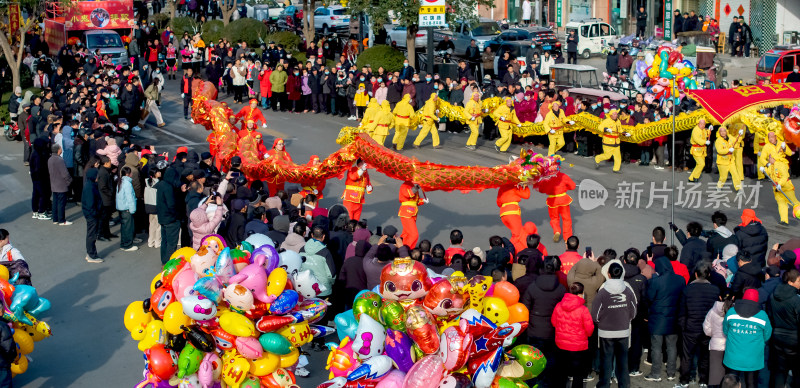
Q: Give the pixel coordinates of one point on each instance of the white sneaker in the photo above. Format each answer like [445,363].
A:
[136,129]
[91,260]
[35,215]
[43,216]
[301,372]
[635,373]
[137,240]
[65,223]
[132,248]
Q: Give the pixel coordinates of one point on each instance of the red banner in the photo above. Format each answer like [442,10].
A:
[13,19]
[726,104]
[96,15]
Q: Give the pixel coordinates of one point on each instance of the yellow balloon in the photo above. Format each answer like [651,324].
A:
[457,274]
[672,70]
[653,72]
[686,71]
[495,309]
[276,282]
[234,368]
[4,272]
[157,278]
[186,253]
[155,333]
[20,366]
[290,359]
[298,334]
[264,365]
[24,341]
[477,288]
[39,331]
[237,324]
[447,324]
[136,319]
[174,318]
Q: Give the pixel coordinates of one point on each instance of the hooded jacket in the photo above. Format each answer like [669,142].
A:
[497,257]
[712,326]
[91,203]
[541,298]
[201,225]
[280,229]
[132,161]
[533,262]
[125,197]
[320,264]
[753,238]
[587,272]
[637,281]
[573,324]
[696,300]
[748,276]
[747,329]
[718,239]
[614,307]
[663,293]
[352,273]
[783,309]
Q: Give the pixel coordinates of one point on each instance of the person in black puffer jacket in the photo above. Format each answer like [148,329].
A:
[541,299]
[533,263]
[496,258]
[783,309]
[663,293]
[693,246]
[696,300]
[753,237]
[748,275]
[638,283]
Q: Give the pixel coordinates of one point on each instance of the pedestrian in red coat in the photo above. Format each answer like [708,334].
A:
[574,326]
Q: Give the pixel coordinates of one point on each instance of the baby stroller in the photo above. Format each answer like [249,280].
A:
[162,62]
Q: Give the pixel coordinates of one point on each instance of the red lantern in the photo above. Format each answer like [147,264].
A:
[126,39]
[73,41]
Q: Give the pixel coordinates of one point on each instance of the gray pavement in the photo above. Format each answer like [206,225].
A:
[90,347]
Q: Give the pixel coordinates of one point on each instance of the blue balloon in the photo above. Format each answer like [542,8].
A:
[209,287]
[224,268]
[346,324]
[688,63]
[285,302]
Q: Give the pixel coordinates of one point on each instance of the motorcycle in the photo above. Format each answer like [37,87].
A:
[11,131]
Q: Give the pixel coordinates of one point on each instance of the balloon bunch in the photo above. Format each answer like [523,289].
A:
[229,317]
[667,64]
[421,330]
[22,306]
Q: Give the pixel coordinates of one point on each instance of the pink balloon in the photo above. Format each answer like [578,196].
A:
[249,347]
[426,373]
[185,278]
[393,380]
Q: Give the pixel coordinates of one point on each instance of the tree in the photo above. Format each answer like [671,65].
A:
[14,59]
[309,6]
[226,8]
[172,5]
[406,12]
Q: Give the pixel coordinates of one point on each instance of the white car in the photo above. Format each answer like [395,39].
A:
[332,19]
[398,34]
[593,35]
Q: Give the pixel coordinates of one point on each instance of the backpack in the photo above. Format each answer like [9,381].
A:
[150,196]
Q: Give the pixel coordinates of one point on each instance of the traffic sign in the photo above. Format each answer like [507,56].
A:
[431,13]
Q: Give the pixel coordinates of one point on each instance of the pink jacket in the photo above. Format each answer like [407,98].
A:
[201,225]
[111,150]
[573,324]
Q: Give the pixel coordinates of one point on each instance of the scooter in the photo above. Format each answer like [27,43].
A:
[11,131]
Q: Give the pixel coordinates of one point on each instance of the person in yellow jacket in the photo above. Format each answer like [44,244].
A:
[738,150]
[700,141]
[380,125]
[725,146]
[361,100]
[505,117]
[403,112]
[554,125]
[473,113]
[369,114]
[429,121]
[758,143]
[776,149]
[612,130]
[778,173]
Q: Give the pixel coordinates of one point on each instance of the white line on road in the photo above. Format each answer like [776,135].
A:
[181,138]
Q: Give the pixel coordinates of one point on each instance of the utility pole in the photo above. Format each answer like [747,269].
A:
[430,49]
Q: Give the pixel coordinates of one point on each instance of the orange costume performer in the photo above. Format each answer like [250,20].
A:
[508,198]
[558,202]
[356,185]
[278,154]
[251,112]
[410,200]
[317,187]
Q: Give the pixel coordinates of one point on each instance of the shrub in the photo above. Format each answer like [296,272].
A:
[249,30]
[184,24]
[381,55]
[161,20]
[289,40]
[212,31]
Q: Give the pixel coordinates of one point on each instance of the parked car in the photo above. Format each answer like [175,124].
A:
[264,9]
[574,76]
[462,32]
[286,13]
[332,19]
[777,64]
[593,36]
[397,34]
[543,38]
[517,50]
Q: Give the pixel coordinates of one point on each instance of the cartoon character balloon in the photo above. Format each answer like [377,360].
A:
[404,279]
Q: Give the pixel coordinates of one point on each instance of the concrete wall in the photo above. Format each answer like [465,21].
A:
[788,18]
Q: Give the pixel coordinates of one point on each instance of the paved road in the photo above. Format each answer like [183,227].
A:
[90,346]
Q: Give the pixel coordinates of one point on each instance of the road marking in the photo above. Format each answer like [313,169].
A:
[13,184]
[181,138]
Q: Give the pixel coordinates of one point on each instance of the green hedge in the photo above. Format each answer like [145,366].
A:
[161,20]
[212,31]
[184,24]
[249,30]
[381,55]
[289,40]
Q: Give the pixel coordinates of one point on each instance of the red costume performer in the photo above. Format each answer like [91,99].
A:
[508,198]
[251,112]
[278,154]
[356,185]
[558,202]
[317,187]
[247,127]
[410,200]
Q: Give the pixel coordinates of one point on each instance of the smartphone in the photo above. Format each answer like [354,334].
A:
[235,174]
[379,231]
[588,251]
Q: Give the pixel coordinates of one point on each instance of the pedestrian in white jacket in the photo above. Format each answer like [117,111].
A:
[712,326]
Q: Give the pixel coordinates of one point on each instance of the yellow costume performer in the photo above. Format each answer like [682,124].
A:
[612,130]
[554,125]
[429,121]
[369,115]
[381,123]
[402,120]
[725,146]
[738,150]
[700,141]
[774,148]
[473,111]
[779,174]
[758,143]
[505,117]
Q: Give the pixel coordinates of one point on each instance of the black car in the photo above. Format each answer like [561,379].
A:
[544,38]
